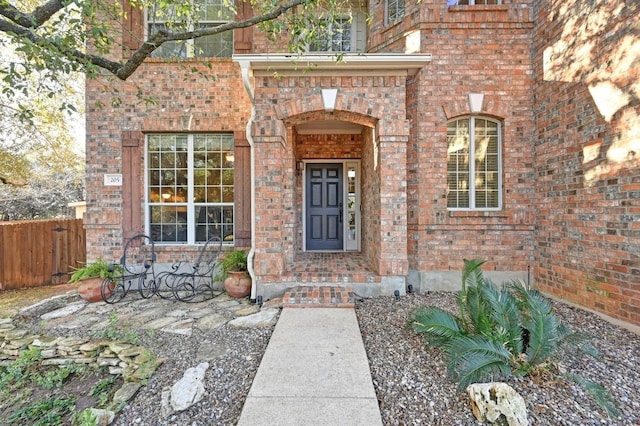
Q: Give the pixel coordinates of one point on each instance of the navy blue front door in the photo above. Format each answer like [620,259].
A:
[324,209]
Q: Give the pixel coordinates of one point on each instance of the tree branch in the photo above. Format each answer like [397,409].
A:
[163,36]
[23,24]
[39,16]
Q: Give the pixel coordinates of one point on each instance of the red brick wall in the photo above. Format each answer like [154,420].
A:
[587,156]
[370,188]
[476,49]
[291,100]
[214,101]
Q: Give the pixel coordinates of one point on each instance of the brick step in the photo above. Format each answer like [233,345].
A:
[318,297]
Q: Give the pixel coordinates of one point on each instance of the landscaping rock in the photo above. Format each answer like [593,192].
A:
[44,306]
[103,417]
[497,403]
[264,318]
[180,327]
[64,311]
[126,392]
[188,390]
[211,322]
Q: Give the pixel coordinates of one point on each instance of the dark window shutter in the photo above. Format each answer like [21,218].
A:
[133,28]
[132,183]
[242,189]
[242,36]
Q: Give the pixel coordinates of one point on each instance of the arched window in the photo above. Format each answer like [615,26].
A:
[474,164]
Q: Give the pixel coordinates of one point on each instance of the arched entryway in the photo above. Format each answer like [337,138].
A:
[309,129]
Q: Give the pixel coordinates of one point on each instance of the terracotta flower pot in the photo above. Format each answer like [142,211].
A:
[237,284]
[89,289]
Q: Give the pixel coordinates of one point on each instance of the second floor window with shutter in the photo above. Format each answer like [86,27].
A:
[208,13]
[474,164]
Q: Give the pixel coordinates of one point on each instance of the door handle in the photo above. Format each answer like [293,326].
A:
[340,212]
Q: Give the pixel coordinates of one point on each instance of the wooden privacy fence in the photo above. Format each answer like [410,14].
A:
[40,252]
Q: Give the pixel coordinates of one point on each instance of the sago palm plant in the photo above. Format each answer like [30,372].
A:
[499,332]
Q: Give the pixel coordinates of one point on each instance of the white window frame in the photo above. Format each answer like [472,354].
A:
[357,20]
[190,203]
[394,11]
[472,171]
[473,3]
[352,41]
[190,45]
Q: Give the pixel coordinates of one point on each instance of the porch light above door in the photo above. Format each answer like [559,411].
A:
[329,99]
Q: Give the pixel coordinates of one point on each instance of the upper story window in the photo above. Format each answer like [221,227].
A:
[474,164]
[337,37]
[472,2]
[190,187]
[347,33]
[394,11]
[210,13]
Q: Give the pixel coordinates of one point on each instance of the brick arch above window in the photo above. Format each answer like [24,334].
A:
[490,107]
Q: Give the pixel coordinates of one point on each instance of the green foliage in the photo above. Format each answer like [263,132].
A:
[99,268]
[148,365]
[44,413]
[598,392]
[18,372]
[26,370]
[234,261]
[45,194]
[500,332]
[103,389]
[84,418]
[56,377]
[113,332]
[83,37]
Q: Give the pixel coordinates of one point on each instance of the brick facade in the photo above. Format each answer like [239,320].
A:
[213,101]
[588,155]
[571,180]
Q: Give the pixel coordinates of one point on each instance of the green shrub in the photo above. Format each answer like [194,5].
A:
[99,268]
[499,332]
[234,261]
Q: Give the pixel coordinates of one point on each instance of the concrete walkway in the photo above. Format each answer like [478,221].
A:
[314,372]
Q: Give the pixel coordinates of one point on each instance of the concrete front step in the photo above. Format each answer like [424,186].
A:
[319,297]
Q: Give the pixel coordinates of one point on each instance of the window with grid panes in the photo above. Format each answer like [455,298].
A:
[474,170]
[394,11]
[472,2]
[336,37]
[189,187]
[210,13]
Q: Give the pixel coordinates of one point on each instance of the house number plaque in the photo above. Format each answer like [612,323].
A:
[113,180]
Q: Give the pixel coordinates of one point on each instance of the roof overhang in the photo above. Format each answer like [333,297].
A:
[323,64]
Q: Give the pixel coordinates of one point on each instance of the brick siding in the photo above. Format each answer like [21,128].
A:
[571,162]
[587,160]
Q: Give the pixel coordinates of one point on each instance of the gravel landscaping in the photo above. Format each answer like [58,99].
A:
[409,377]
[411,384]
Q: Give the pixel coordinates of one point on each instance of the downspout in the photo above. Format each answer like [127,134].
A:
[245,67]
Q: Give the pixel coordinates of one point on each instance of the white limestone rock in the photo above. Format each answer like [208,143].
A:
[190,388]
[103,417]
[497,402]
[264,318]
